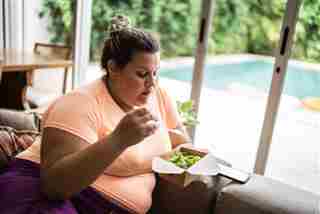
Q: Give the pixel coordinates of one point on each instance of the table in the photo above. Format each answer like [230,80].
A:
[16,68]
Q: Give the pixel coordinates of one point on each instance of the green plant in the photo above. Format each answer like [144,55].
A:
[187,113]
[59,14]
[249,26]
[173,20]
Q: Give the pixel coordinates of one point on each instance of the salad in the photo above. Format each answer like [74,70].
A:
[184,159]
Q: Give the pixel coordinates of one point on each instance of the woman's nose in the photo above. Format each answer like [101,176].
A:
[150,80]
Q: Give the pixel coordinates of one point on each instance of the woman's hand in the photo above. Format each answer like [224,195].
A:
[134,127]
[177,137]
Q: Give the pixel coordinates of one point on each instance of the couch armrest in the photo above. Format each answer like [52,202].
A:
[18,120]
[262,195]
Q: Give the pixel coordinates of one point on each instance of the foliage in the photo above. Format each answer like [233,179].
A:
[308,30]
[60,13]
[250,26]
[187,113]
[171,19]
[254,27]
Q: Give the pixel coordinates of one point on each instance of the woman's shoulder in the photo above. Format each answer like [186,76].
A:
[76,112]
[74,99]
[83,99]
[88,93]
[69,105]
[91,89]
[162,93]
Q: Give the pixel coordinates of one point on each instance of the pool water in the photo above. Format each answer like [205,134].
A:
[300,82]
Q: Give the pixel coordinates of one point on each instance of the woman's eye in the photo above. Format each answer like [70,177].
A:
[155,73]
[142,74]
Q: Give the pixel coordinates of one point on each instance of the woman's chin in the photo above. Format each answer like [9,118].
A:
[141,103]
[143,99]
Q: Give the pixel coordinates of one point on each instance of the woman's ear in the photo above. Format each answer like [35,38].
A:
[112,68]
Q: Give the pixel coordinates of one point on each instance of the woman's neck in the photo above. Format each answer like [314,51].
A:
[125,107]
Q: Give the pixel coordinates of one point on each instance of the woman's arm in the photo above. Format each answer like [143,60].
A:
[179,136]
[69,164]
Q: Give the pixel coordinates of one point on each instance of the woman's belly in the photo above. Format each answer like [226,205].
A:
[133,193]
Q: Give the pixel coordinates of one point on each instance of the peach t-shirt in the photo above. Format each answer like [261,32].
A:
[90,113]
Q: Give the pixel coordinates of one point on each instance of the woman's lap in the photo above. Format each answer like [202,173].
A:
[20,193]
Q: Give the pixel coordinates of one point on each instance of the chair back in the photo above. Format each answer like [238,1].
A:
[35,98]
[53,50]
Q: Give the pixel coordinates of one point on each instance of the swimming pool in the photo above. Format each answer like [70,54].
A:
[300,82]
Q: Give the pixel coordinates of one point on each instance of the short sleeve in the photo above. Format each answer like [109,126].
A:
[172,117]
[75,113]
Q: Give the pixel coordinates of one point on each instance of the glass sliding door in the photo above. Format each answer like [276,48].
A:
[237,78]
[180,43]
[294,152]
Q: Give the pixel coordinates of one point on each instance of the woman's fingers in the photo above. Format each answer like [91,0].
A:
[149,123]
[143,115]
[147,117]
[137,125]
[149,128]
[139,111]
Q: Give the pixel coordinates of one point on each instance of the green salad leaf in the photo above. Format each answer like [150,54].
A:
[184,159]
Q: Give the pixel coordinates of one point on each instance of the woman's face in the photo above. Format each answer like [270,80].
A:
[133,84]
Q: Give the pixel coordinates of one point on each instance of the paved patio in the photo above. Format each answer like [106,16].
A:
[230,125]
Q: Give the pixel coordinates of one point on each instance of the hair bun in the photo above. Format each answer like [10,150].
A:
[119,23]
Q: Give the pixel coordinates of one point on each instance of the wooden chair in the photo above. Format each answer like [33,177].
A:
[36,98]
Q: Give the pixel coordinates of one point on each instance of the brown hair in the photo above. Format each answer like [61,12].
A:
[125,41]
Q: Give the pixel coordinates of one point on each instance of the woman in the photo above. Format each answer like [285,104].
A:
[98,141]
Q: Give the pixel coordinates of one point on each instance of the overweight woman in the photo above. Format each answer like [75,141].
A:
[98,141]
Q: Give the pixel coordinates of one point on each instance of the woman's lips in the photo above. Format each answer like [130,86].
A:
[146,93]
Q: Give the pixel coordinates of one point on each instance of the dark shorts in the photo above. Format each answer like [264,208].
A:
[20,194]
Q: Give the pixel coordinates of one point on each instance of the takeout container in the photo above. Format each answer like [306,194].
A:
[206,166]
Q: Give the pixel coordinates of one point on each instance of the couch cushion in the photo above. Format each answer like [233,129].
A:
[18,120]
[13,142]
[262,195]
